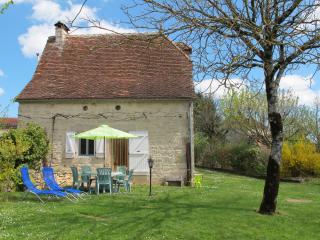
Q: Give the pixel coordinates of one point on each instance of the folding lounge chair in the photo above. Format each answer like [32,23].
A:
[50,181]
[31,188]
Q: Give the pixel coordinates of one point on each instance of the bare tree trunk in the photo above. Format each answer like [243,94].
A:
[317,125]
[271,188]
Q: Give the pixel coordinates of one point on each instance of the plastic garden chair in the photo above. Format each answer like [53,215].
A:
[197,181]
[128,181]
[123,170]
[51,182]
[104,179]
[75,176]
[86,169]
[85,175]
[31,188]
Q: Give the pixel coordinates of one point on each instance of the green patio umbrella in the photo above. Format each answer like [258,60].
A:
[104,132]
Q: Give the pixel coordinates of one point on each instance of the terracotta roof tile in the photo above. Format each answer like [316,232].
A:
[9,122]
[109,66]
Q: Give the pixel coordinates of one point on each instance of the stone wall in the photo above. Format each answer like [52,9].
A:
[167,123]
[62,175]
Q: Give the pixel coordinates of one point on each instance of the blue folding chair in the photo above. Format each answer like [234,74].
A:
[31,188]
[48,176]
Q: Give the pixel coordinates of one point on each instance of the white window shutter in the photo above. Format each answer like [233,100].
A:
[71,146]
[99,148]
[76,145]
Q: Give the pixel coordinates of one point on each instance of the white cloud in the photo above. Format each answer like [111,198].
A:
[301,87]
[1,92]
[34,40]
[50,11]
[45,13]
[1,73]
[215,87]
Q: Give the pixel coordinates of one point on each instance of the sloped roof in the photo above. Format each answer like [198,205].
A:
[141,66]
[9,122]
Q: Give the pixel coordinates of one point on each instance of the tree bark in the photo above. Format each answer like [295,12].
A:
[271,188]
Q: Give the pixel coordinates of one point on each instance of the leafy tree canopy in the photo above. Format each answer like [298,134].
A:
[5,6]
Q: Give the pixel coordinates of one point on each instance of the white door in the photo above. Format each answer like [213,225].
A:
[139,152]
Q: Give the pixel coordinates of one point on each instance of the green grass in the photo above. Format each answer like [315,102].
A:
[225,208]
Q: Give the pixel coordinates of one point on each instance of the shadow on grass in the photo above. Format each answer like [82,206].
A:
[119,214]
[23,197]
[147,216]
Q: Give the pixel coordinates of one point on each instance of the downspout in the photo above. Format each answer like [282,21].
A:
[190,165]
[52,137]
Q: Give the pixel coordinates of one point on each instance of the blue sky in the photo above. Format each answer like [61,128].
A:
[25,28]
[26,25]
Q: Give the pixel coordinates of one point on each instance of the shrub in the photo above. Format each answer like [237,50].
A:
[242,158]
[300,159]
[38,146]
[248,159]
[201,143]
[9,152]
[18,147]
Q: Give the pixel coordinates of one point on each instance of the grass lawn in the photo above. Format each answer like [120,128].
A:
[223,209]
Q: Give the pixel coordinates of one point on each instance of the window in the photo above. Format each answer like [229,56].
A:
[86,147]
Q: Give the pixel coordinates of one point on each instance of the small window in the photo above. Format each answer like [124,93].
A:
[86,147]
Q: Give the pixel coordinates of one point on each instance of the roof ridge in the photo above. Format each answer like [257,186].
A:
[112,34]
[178,48]
[51,38]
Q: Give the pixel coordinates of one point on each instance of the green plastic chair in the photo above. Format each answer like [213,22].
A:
[85,175]
[128,182]
[75,176]
[104,179]
[86,169]
[123,170]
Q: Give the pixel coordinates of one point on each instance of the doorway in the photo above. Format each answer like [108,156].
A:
[119,152]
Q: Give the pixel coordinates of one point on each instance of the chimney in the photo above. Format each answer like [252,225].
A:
[185,48]
[61,32]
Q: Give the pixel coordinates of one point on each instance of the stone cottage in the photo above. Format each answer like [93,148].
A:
[139,83]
